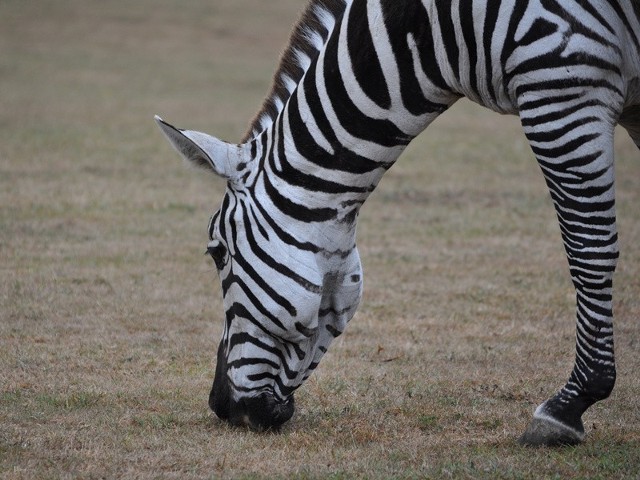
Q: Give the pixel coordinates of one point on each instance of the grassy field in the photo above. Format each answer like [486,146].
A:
[110,313]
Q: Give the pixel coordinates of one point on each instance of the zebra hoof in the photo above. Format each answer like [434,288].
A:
[546,431]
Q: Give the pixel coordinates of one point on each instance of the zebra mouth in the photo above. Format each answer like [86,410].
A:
[260,414]
[265,413]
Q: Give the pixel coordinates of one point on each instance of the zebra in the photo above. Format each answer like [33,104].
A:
[357,82]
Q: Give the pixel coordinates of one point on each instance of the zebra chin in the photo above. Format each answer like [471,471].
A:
[261,413]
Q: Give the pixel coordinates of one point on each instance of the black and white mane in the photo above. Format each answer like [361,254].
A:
[307,39]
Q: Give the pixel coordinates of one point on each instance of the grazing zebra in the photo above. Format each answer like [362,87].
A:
[358,81]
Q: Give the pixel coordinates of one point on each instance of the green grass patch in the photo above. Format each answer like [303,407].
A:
[67,402]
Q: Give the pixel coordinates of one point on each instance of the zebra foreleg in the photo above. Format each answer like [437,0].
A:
[577,163]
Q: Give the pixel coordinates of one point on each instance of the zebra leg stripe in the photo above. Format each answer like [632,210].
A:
[577,162]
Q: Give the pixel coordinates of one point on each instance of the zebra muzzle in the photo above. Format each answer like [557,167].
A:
[260,413]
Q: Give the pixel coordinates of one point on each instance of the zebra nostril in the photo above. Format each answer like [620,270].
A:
[262,413]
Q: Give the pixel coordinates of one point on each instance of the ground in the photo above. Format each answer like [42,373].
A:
[110,313]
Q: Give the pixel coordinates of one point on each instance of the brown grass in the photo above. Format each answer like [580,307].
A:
[110,314]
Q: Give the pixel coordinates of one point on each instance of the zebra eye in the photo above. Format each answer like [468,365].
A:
[218,252]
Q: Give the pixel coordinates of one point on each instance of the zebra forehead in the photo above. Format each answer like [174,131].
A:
[309,36]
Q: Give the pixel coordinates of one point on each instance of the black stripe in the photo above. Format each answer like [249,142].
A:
[258,224]
[354,121]
[540,29]
[564,149]
[467,24]
[260,282]
[365,62]
[577,25]
[269,261]
[445,23]
[565,83]
[295,210]
[241,338]
[567,165]
[298,178]
[623,18]
[247,361]
[559,115]
[429,60]
[239,310]
[555,134]
[285,236]
[556,59]
[395,17]
[490,23]
[342,159]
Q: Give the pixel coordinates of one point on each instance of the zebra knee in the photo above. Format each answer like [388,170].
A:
[592,267]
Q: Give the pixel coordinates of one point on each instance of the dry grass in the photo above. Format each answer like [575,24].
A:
[110,314]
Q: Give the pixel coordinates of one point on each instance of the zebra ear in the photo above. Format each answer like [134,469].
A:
[204,151]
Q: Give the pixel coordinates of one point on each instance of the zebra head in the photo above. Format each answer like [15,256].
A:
[290,283]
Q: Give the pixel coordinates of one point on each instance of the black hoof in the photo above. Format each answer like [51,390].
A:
[546,431]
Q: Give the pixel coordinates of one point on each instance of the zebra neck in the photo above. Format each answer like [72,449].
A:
[338,132]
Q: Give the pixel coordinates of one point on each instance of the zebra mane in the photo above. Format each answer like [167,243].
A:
[307,39]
